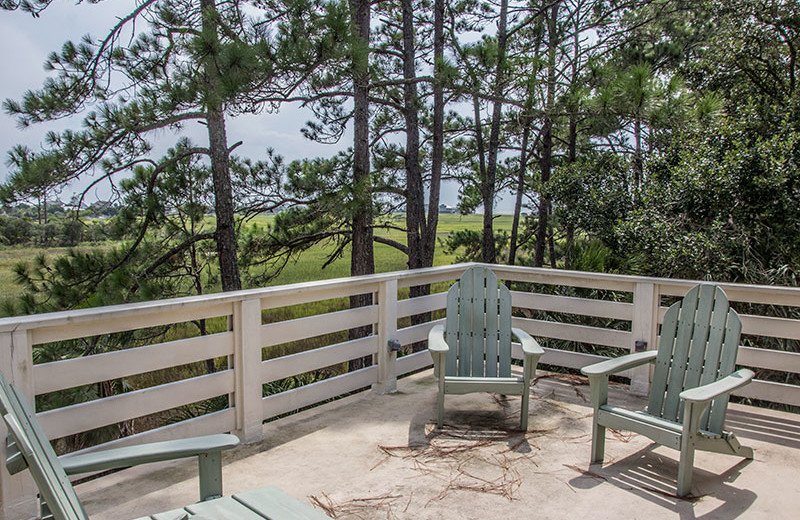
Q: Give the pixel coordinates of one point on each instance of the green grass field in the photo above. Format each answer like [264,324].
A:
[387,258]
[11,256]
[307,267]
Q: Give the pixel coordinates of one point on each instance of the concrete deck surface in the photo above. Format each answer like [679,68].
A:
[378,457]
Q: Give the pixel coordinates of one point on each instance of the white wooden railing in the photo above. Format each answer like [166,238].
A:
[638,310]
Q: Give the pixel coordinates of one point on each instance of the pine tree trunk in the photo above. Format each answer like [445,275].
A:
[362,261]
[481,149]
[552,246]
[416,227]
[223,203]
[437,151]
[546,159]
[361,258]
[225,234]
[638,162]
[572,143]
[523,164]
[488,190]
[415,201]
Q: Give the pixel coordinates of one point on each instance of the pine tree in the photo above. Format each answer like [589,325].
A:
[195,62]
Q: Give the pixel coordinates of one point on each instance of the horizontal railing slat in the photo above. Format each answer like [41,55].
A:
[115,323]
[600,281]
[414,362]
[286,366]
[770,326]
[571,305]
[771,391]
[320,289]
[762,294]
[69,373]
[572,332]
[432,277]
[301,328]
[421,304]
[307,395]
[414,333]
[769,359]
[567,358]
[317,293]
[110,410]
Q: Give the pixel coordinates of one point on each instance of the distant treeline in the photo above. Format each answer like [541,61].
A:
[54,224]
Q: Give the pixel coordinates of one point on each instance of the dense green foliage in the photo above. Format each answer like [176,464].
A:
[722,203]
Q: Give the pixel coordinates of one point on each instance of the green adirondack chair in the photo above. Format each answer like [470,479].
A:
[472,351]
[693,376]
[28,447]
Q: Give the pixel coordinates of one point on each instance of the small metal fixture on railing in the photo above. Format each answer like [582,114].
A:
[640,346]
[394,345]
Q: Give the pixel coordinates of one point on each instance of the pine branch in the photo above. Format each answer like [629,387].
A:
[389,242]
[174,251]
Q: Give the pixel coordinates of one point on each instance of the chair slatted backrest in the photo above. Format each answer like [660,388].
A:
[478,326]
[29,439]
[698,345]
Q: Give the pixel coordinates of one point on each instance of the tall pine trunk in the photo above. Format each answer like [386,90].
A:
[416,227]
[361,259]
[572,145]
[638,161]
[546,159]
[489,188]
[523,166]
[225,234]
[415,201]
[437,152]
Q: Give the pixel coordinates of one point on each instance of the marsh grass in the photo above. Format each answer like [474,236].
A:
[307,267]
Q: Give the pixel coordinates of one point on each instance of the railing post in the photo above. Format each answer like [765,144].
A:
[644,328]
[17,492]
[387,330]
[247,369]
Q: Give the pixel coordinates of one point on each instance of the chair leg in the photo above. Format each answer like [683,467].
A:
[440,412]
[210,475]
[598,441]
[685,468]
[440,409]
[523,420]
[598,387]
[692,413]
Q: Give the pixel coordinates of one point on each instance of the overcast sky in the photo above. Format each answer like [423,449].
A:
[26,41]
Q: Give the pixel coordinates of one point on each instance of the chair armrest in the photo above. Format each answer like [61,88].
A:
[436,341]
[530,347]
[146,453]
[612,366]
[718,388]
